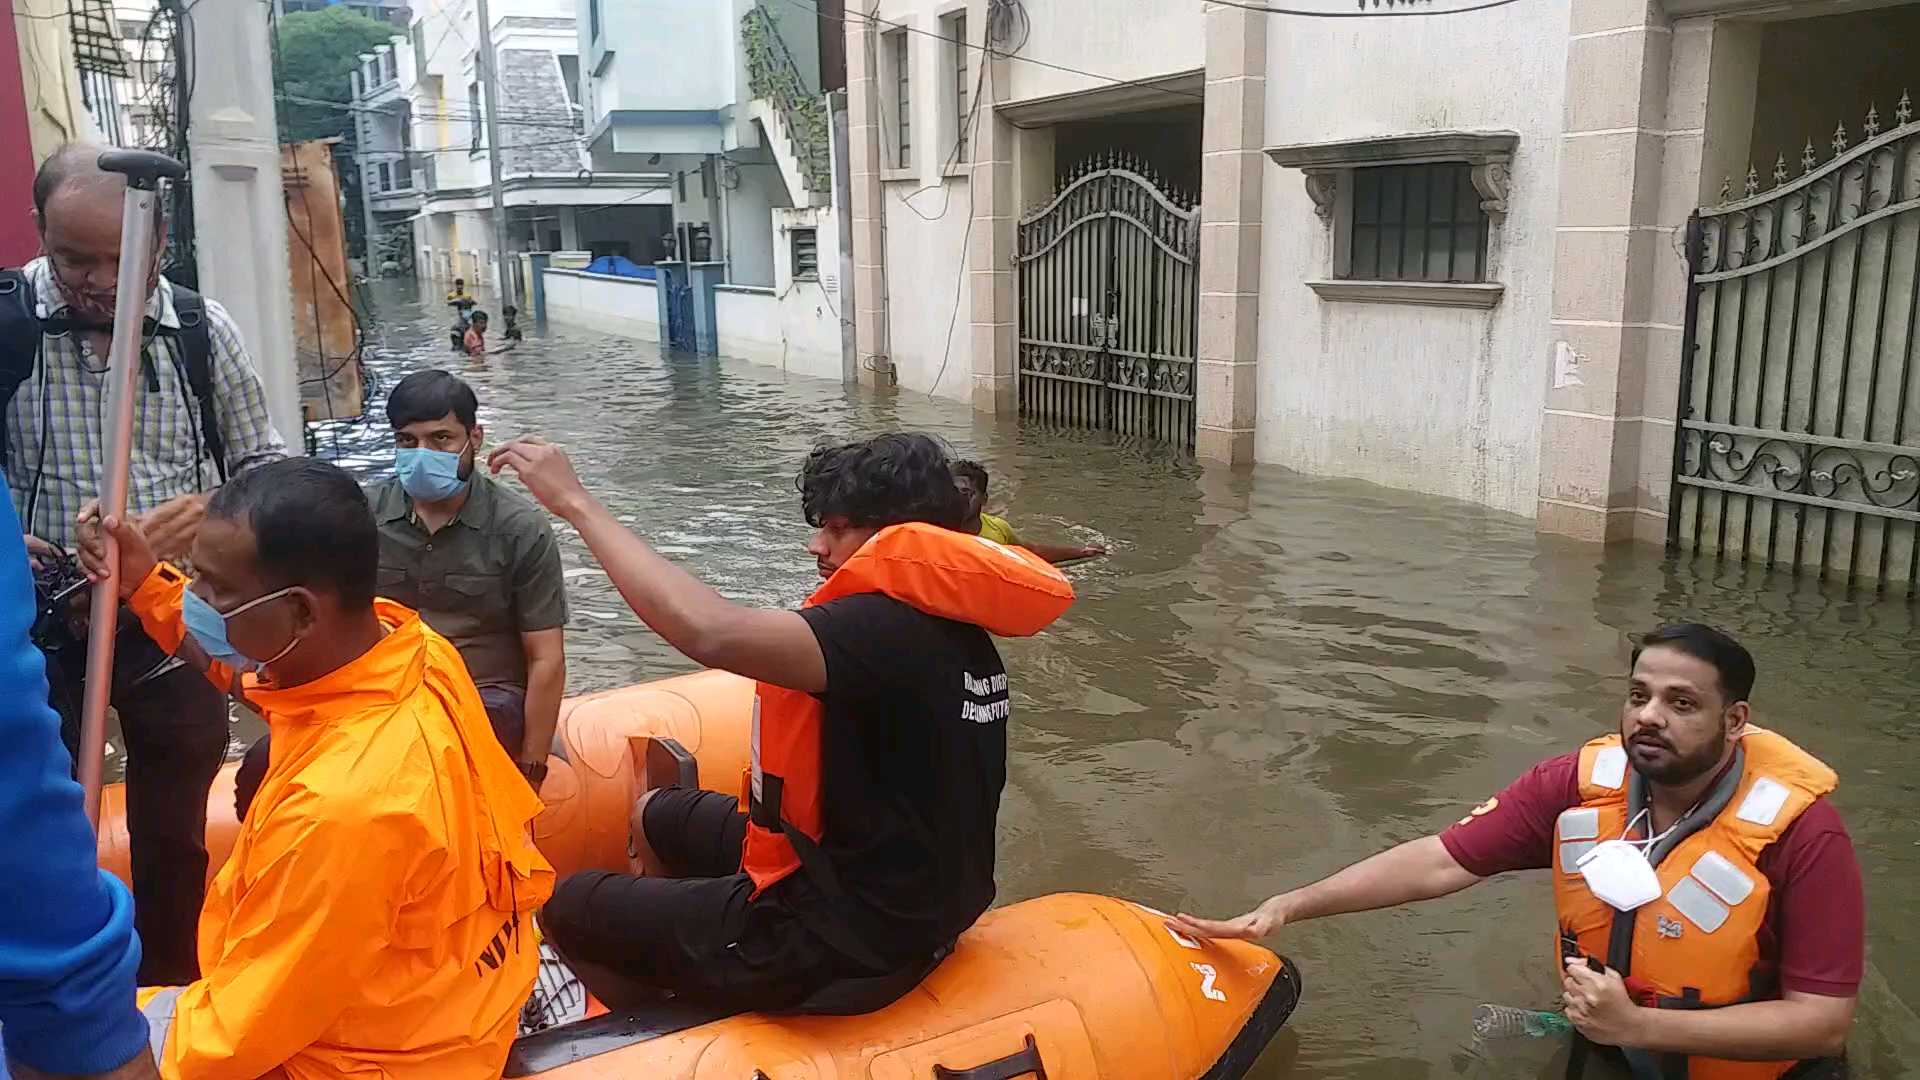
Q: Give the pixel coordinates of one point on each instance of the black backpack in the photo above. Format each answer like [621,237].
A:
[20,333]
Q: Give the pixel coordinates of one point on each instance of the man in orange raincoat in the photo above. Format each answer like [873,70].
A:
[374,918]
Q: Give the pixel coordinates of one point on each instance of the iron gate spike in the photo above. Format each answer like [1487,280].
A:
[1807,159]
[1872,126]
[1753,181]
[1780,171]
[1903,112]
[1839,139]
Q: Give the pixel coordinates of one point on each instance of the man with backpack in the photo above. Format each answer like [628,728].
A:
[200,416]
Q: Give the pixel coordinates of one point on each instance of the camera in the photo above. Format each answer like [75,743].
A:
[60,612]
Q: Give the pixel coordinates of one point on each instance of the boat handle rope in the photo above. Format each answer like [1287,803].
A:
[1024,1063]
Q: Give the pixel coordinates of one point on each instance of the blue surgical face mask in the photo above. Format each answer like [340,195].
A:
[209,627]
[429,475]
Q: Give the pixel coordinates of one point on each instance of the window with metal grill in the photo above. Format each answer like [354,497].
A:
[902,100]
[957,33]
[473,112]
[1417,223]
[806,253]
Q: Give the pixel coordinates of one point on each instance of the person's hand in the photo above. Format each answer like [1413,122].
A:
[171,526]
[1256,924]
[1598,1004]
[40,553]
[136,554]
[545,470]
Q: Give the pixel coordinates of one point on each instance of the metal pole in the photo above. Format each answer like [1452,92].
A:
[363,159]
[489,87]
[138,243]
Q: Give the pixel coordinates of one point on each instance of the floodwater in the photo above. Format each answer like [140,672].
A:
[1272,676]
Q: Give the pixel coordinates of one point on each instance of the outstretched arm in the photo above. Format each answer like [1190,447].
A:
[773,646]
[1062,553]
[1416,870]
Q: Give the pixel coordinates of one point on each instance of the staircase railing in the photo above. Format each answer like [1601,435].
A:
[773,74]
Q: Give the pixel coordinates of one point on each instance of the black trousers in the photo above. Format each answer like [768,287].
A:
[175,731]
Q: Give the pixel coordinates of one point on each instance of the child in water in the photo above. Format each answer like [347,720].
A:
[461,303]
[511,331]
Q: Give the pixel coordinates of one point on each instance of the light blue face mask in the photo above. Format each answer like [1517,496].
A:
[209,627]
[429,475]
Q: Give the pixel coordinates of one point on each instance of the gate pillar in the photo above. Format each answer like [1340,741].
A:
[993,334]
[1618,277]
[1233,135]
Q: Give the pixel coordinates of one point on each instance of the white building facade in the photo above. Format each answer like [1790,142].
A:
[727,100]
[1459,254]
[426,162]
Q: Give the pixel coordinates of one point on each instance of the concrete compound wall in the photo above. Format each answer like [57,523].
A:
[629,307]
[1442,400]
[793,325]
[794,331]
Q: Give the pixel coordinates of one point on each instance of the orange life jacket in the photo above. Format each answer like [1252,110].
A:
[1004,590]
[1697,946]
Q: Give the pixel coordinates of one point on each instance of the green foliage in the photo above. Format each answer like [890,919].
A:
[316,52]
[772,74]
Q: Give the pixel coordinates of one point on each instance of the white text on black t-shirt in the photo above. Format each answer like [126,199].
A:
[989,698]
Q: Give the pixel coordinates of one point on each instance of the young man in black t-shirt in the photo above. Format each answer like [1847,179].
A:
[912,757]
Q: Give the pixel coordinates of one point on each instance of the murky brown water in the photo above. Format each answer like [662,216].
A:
[1273,675]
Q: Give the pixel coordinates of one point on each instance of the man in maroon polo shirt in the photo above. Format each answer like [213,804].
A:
[1739,882]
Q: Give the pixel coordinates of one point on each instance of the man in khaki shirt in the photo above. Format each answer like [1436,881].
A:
[477,560]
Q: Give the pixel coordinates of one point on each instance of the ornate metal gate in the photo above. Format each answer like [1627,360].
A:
[1108,299]
[1799,436]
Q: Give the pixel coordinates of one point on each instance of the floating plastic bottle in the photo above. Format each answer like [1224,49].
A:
[1507,1022]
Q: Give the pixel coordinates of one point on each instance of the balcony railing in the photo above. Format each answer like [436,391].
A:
[772,74]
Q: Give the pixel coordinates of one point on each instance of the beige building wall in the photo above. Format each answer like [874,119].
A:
[56,112]
[1556,400]
[934,239]
[1417,386]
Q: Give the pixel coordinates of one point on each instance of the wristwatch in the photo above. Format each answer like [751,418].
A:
[534,771]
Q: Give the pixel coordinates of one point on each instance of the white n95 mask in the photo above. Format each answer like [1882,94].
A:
[1619,874]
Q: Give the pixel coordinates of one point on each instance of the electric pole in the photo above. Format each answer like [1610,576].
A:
[490,89]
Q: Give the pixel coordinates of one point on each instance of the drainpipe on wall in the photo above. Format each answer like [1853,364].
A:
[726,216]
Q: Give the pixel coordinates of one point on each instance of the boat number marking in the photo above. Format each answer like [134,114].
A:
[1207,989]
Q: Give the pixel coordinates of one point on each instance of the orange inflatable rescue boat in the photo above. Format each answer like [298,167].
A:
[1063,987]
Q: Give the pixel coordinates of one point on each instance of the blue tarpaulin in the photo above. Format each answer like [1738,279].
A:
[619,266]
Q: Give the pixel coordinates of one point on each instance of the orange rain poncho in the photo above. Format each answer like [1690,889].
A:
[375,918]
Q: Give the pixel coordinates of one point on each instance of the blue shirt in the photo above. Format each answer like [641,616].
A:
[67,947]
